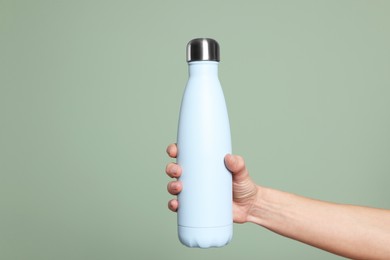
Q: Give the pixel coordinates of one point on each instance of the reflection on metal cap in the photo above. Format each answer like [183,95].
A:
[203,49]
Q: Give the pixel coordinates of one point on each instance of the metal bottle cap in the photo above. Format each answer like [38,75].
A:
[203,49]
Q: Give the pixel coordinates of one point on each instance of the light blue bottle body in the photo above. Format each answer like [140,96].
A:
[205,203]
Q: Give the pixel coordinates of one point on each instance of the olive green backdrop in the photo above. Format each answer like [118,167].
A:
[89,99]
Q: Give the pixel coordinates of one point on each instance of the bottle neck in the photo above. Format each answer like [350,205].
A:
[203,68]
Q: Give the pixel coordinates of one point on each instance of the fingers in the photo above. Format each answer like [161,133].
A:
[173,205]
[173,170]
[236,165]
[172,150]
[174,187]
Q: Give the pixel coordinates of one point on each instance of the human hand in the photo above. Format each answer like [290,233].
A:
[244,189]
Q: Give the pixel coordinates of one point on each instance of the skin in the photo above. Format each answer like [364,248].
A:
[351,231]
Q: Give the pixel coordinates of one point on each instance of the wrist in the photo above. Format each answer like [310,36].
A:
[256,213]
[268,209]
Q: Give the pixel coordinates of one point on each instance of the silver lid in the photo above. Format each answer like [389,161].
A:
[203,49]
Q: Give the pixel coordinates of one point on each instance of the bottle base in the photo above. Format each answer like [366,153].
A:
[205,237]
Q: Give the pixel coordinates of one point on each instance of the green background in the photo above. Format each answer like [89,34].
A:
[89,99]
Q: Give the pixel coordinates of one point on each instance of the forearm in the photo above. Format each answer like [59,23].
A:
[350,231]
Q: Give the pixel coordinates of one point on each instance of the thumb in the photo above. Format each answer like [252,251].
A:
[236,165]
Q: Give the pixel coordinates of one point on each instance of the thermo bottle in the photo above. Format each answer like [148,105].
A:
[205,202]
